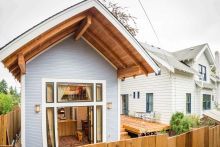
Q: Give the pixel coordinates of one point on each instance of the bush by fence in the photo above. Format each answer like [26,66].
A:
[201,137]
[10,125]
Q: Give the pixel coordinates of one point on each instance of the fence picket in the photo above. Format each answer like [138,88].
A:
[172,142]
[9,126]
[161,141]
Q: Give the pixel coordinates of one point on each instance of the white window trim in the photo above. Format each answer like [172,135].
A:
[23,110]
[55,105]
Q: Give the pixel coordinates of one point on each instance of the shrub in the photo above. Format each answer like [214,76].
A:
[6,103]
[179,123]
[194,120]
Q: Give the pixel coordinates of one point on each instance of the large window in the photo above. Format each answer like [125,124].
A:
[206,102]
[188,103]
[202,72]
[149,102]
[63,99]
[70,92]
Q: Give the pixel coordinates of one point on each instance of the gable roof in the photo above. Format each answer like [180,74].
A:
[188,53]
[167,59]
[118,46]
[193,53]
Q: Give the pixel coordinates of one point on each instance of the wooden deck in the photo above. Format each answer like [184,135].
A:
[139,126]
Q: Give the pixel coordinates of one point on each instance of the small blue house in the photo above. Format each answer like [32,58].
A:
[70,66]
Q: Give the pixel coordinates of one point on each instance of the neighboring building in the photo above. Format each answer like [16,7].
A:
[186,84]
[69,66]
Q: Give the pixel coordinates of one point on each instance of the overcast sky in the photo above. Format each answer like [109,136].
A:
[178,23]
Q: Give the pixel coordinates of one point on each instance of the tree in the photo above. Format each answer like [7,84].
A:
[123,16]
[3,87]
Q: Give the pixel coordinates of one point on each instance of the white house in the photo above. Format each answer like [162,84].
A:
[186,84]
[70,66]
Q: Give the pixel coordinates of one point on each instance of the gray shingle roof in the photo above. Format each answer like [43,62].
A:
[168,58]
[188,53]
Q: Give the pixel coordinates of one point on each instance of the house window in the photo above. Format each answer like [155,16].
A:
[50,127]
[98,92]
[149,102]
[202,72]
[99,124]
[71,92]
[206,102]
[188,103]
[49,92]
[134,95]
[138,94]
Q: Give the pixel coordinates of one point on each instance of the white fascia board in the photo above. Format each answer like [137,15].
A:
[162,62]
[210,53]
[44,26]
[12,47]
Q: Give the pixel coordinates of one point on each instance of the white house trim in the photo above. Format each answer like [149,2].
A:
[206,47]
[23,110]
[162,62]
[55,105]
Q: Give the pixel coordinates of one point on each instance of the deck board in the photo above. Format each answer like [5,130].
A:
[139,126]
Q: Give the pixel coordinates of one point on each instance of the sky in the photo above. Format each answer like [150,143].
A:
[179,24]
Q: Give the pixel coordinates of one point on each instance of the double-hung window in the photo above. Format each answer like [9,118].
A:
[149,102]
[206,102]
[188,102]
[202,72]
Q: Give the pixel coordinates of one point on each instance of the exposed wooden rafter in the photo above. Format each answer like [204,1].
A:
[21,63]
[130,71]
[83,27]
[107,49]
[116,39]
[45,37]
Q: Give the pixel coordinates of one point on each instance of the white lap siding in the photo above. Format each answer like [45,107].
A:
[182,84]
[160,86]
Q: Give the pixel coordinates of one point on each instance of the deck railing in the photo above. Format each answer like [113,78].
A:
[10,125]
[201,137]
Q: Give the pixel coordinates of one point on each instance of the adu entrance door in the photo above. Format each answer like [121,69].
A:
[63,97]
[125,104]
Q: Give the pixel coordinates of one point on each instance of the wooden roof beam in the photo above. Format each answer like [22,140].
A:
[83,27]
[41,39]
[115,38]
[21,63]
[107,49]
[129,72]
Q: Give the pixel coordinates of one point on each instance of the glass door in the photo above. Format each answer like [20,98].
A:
[74,112]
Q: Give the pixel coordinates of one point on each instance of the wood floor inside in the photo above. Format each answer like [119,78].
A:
[72,141]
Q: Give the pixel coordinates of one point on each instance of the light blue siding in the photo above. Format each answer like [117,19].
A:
[68,60]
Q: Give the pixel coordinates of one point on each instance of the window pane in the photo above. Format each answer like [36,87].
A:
[50,127]
[98,92]
[149,102]
[188,103]
[49,92]
[99,124]
[206,102]
[70,92]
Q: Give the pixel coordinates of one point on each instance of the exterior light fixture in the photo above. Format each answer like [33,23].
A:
[37,108]
[109,105]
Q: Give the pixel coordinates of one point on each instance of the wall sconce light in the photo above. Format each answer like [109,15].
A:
[109,105]
[37,108]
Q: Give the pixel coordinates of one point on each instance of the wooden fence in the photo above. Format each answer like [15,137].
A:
[202,137]
[10,125]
